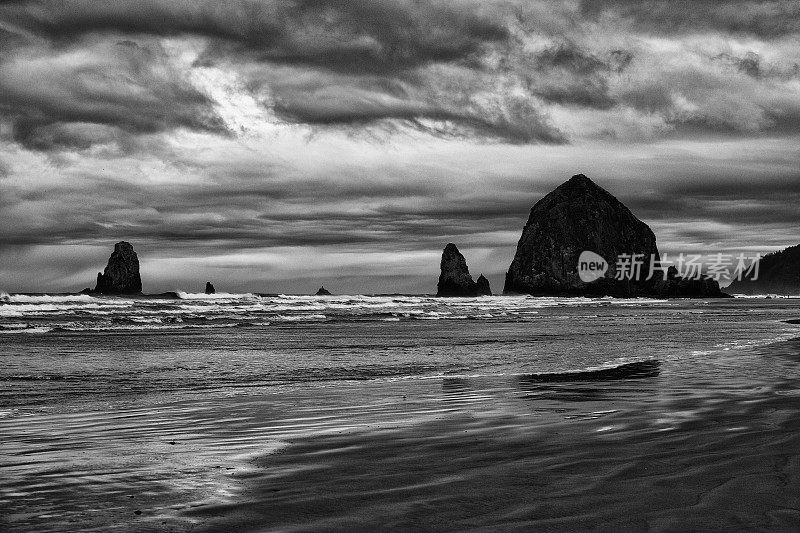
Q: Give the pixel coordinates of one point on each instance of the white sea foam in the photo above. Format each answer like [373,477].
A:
[26,330]
[747,344]
[765,296]
[294,318]
[217,296]
[145,327]
[248,307]
[615,363]
[45,298]
[279,308]
[14,310]
[146,319]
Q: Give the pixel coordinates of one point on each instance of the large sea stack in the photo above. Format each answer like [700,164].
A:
[455,279]
[121,275]
[778,273]
[579,216]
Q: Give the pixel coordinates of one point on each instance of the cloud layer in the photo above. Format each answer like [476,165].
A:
[279,130]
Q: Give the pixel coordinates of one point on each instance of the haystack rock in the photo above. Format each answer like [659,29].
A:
[121,275]
[323,292]
[455,279]
[579,217]
[482,286]
[210,288]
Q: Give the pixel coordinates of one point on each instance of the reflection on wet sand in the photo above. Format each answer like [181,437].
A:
[632,454]
[623,467]
[634,370]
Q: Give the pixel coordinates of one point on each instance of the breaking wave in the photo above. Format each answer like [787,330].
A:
[44,298]
[83,312]
[25,330]
[217,296]
[634,370]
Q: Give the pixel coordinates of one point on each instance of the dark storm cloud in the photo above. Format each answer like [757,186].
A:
[571,57]
[750,64]
[744,200]
[358,35]
[452,69]
[728,94]
[366,36]
[754,66]
[376,47]
[97,93]
[238,212]
[762,18]
[336,100]
[570,75]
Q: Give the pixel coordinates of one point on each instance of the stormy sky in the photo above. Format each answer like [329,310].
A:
[274,146]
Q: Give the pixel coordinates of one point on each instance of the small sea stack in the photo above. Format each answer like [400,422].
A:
[121,275]
[482,286]
[323,292]
[455,279]
[210,288]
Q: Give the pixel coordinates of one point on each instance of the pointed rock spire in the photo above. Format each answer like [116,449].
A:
[454,279]
[482,286]
[121,275]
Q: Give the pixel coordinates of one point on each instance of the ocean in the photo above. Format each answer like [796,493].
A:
[245,412]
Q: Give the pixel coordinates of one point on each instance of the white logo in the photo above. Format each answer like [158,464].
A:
[591,266]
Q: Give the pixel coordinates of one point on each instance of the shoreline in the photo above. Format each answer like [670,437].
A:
[176,295]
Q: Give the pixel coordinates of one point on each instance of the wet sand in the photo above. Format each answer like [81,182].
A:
[641,454]
[454,454]
[736,467]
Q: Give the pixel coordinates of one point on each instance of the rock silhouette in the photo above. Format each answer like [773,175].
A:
[323,292]
[210,288]
[121,275]
[778,273]
[455,279]
[581,216]
[482,286]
